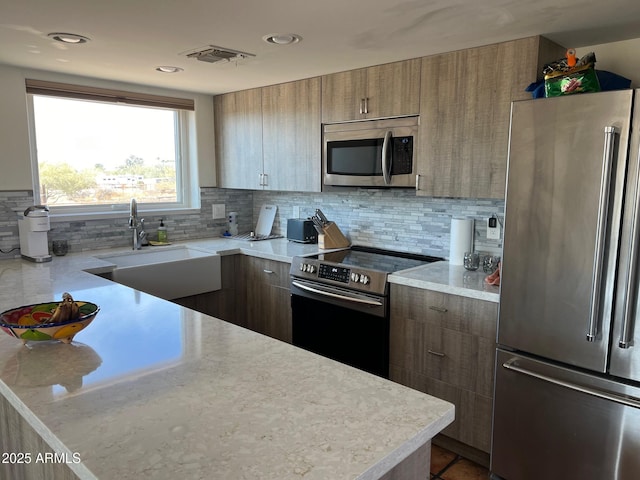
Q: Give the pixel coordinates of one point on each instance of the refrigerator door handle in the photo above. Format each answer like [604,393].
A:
[628,401]
[603,210]
[626,337]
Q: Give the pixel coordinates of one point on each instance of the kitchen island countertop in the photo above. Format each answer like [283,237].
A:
[155,390]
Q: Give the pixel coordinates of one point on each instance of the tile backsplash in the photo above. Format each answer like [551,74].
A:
[393,219]
[85,235]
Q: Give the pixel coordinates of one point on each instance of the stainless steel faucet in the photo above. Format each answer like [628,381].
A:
[140,236]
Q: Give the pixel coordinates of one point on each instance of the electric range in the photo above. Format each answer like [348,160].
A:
[340,304]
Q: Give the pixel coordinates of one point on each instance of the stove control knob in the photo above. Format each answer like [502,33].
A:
[311,268]
[364,279]
[355,277]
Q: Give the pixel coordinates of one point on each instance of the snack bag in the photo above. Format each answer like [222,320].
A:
[577,80]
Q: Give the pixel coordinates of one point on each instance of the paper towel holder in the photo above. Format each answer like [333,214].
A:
[461,239]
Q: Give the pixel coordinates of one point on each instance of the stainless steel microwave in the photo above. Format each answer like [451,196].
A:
[370,153]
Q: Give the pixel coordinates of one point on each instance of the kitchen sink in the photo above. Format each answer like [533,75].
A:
[169,272]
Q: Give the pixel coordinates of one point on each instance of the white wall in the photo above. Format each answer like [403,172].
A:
[15,162]
[622,58]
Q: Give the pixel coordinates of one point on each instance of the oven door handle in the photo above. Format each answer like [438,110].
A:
[328,292]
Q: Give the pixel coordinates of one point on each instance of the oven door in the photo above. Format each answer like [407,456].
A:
[340,324]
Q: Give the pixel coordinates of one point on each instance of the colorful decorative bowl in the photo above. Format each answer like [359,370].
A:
[28,323]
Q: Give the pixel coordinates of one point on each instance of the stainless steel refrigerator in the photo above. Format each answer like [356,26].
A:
[567,387]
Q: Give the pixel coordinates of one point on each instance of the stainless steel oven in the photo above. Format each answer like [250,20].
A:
[340,304]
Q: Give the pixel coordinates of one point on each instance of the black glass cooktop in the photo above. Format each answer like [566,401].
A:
[376,259]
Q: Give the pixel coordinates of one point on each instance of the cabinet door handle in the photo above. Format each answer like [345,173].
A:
[437,354]
[361,106]
[366,105]
[270,272]
[438,309]
[266,180]
[417,182]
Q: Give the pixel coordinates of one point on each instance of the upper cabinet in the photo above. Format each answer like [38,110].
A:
[238,126]
[269,138]
[291,136]
[388,90]
[465,115]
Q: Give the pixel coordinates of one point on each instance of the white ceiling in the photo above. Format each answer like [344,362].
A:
[129,38]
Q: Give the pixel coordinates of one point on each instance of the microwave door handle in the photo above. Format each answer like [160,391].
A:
[386,158]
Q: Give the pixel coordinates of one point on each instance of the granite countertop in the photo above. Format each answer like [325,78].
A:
[154,390]
[446,278]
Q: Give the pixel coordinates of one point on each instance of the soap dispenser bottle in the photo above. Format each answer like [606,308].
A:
[162,232]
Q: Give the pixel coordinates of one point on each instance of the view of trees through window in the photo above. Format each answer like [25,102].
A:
[92,153]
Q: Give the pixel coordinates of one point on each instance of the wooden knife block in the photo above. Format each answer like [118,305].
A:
[332,237]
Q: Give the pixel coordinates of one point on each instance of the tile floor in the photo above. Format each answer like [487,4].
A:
[446,465]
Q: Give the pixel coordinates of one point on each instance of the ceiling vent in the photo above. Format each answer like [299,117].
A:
[213,54]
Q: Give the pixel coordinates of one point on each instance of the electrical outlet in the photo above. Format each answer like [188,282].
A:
[493,229]
[296,212]
[219,211]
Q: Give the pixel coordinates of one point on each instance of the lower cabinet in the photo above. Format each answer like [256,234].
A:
[255,294]
[444,345]
[268,298]
[228,303]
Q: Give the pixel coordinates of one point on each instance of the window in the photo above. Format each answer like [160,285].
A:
[94,150]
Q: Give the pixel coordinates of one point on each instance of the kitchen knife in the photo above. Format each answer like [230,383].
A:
[322,218]
[317,222]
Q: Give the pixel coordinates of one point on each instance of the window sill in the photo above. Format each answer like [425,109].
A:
[72,217]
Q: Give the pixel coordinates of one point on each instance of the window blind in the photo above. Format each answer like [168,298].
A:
[82,92]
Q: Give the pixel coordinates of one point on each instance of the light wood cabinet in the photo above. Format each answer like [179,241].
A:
[269,138]
[268,297]
[18,437]
[465,114]
[238,131]
[444,345]
[291,139]
[388,90]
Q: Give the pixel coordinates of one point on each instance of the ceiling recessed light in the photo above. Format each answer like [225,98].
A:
[68,38]
[169,69]
[282,38]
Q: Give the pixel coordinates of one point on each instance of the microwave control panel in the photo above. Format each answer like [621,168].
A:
[402,156]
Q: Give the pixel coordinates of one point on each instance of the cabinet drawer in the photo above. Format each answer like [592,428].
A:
[467,315]
[269,272]
[466,361]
